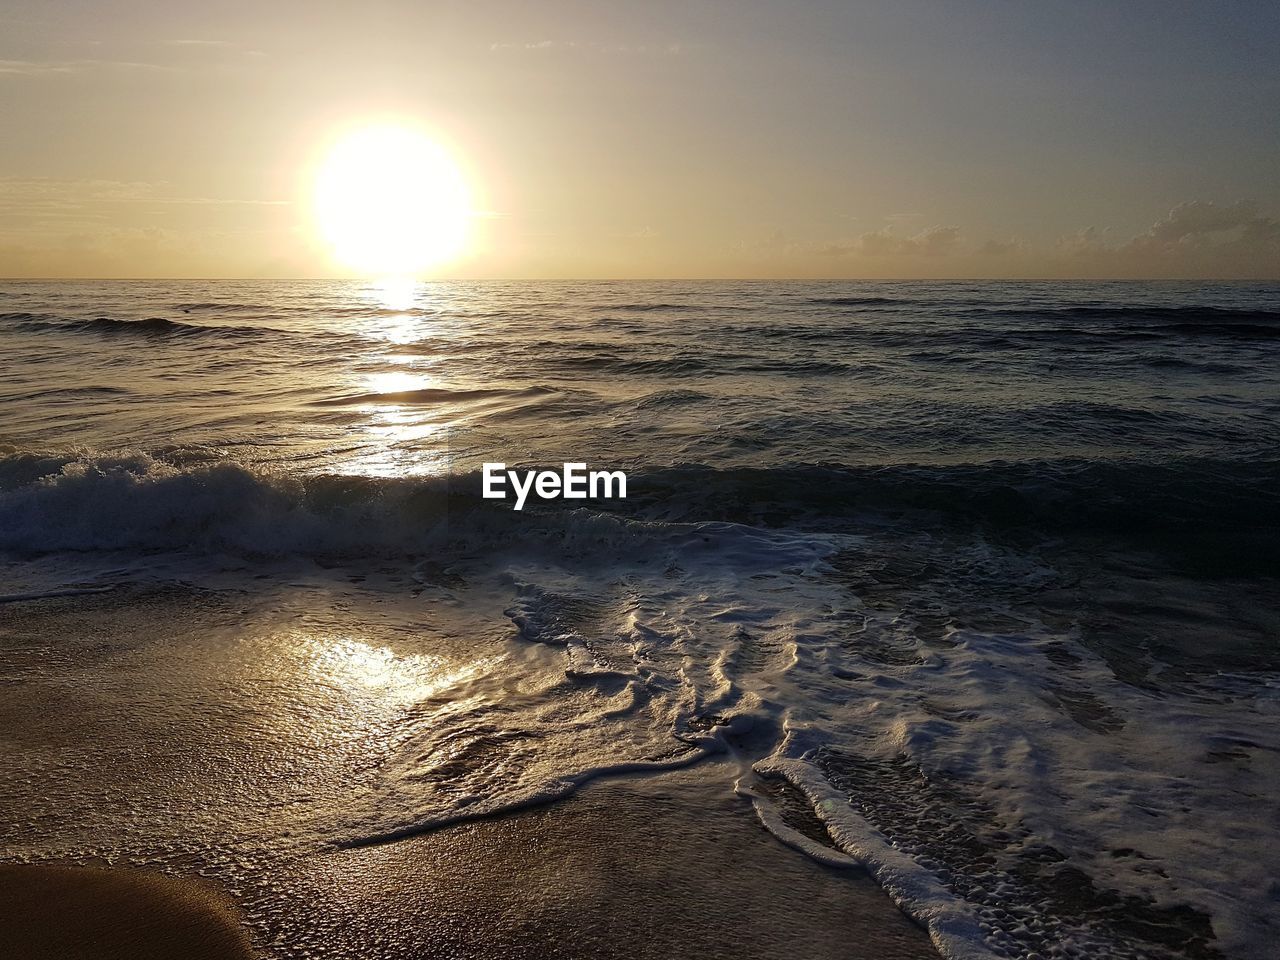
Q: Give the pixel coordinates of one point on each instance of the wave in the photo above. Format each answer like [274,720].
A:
[797,365]
[152,327]
[430,395]
[164,328]
[66,393]
[859,301]
[1010,338]
[651,307]
[1214,514]
[136,502]
[662,399]
[660,365]
[1203,314]
[1249,330]
[223,307]
[707,365]
[1187,315]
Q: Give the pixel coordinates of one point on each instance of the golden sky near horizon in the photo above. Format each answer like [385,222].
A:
[699,139]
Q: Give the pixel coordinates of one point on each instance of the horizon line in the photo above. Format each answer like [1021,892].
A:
[313,279]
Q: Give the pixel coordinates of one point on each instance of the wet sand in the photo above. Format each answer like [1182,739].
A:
[673,867]
[670,867]
[87,913]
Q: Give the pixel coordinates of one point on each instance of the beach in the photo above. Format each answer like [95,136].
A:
[668,867]
[937,619]
[675,866]
[92,913]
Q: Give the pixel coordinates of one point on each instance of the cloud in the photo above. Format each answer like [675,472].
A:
[35,203]
[107,252]
[1196,239]
[39,199]
[645,233]
[195,51]
[45,188]
[28,68]
[29,193]
[64,221]
[1197,223]
[1003,248]
[590,46]
[164,55]
[65,248]
[931,242]
[1089,240]
[36,68]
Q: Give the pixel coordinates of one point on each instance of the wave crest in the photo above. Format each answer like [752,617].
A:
[1207,513]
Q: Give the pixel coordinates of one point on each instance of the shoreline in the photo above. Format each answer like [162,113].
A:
[669,866]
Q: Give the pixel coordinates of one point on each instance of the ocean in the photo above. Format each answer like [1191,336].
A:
[975,582]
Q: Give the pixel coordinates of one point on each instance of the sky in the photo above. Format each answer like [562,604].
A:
[704,138]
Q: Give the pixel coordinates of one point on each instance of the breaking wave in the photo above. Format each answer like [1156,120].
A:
[1199,510]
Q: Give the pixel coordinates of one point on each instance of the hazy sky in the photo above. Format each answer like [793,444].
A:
[908,138]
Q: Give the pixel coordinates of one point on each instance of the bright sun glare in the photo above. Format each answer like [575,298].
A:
[390,201]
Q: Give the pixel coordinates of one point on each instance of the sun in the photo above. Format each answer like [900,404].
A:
[391,201]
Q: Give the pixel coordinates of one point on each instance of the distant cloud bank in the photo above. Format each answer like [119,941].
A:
[1195,239]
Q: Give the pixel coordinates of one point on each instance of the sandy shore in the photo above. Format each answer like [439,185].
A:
[86,913]
[672,867]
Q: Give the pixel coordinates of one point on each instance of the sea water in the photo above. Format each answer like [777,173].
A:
[976,582]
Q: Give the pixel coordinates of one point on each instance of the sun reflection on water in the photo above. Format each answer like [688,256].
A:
[351,664]
[395,293]
[403,434]
[399,317]
[396,381]
[402,430]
